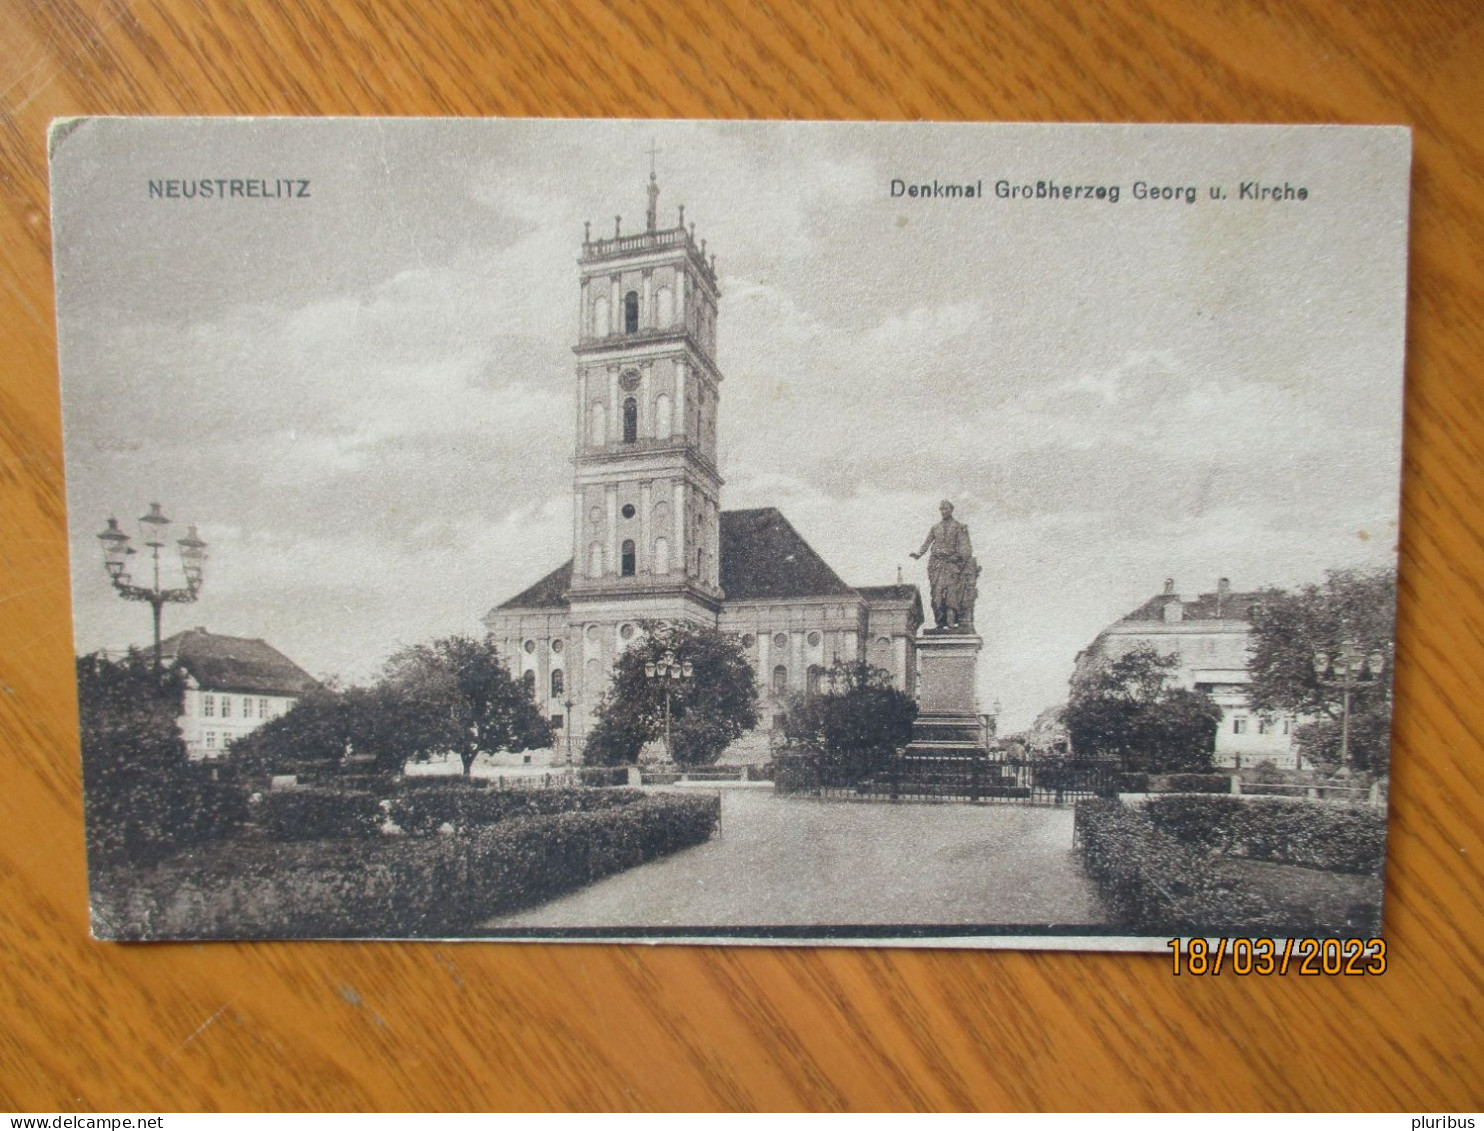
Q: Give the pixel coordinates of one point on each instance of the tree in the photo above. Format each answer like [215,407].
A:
[1290,626]
[708,711]
[1125,708]
[325,725]
[454,694]
[142,797]
[854,724]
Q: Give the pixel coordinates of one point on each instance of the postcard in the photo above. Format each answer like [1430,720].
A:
[751,532]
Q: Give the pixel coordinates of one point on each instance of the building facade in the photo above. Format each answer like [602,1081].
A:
[1209,634]
[649,538]
[233,686]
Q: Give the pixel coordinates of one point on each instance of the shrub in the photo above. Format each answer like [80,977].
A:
[852,726]
[440,781]
[1133,783]
[319,814]
[1285,832]
[1193,783]
[423,811]
[213,804]
[1152,882]
[603,775]
[143,798]
[394,887]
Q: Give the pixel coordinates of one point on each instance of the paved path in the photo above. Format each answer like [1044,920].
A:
[789,861]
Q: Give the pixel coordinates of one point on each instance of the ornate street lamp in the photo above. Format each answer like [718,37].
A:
[670,672]
[154,532]
[1344,671]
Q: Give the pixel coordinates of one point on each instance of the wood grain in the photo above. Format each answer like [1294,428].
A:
[168,1027]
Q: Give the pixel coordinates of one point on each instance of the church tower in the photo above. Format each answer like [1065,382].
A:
[646,491]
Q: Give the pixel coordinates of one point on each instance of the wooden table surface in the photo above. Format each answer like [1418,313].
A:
[87,1026]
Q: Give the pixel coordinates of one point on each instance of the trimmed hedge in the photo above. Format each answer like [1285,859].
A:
[1151,881]
[1327,837]
[1167,867]
[341,814]
[319,814]
[441,781]
[1192,783]
[422,812]
[140,815]
[603,775]
[395,887]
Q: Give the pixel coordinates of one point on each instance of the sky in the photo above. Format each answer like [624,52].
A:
[364,397]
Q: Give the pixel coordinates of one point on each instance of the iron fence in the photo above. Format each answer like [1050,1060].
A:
[912,777]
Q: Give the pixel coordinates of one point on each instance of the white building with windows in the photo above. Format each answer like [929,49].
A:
[1209,634]
[233,685]
[649,538]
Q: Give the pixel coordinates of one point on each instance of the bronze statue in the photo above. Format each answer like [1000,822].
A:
[952,572]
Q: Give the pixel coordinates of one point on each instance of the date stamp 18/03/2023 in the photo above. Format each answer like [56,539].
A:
[1309,957]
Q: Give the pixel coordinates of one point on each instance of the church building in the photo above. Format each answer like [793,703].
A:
[650,540]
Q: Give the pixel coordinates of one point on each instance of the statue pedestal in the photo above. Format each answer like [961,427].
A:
[948,719]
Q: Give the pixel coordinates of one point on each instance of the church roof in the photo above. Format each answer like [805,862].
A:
[235,663]
[548,593]
[764,558]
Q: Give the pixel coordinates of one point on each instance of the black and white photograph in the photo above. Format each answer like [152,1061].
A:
[733,532]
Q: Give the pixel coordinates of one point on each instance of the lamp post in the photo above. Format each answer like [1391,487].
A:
[567,726]
[154,533]
[1344,671]
[670,672]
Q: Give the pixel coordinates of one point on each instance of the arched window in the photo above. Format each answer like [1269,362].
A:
[630,420]
[664,301]
[598,427]
[631,313]
[661,555]
[529,679]
[601,327]
[627,557]
[595,559]
[816,678]
[558,683]
[662,416]
[780,680]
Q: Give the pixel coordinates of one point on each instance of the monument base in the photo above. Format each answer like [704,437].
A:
[948,719]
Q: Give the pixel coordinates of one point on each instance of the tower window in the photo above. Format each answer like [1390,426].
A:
[529,679]
[780,680]
[631,313]
[558,683]
[628,557]
[661,555]
[630,420]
